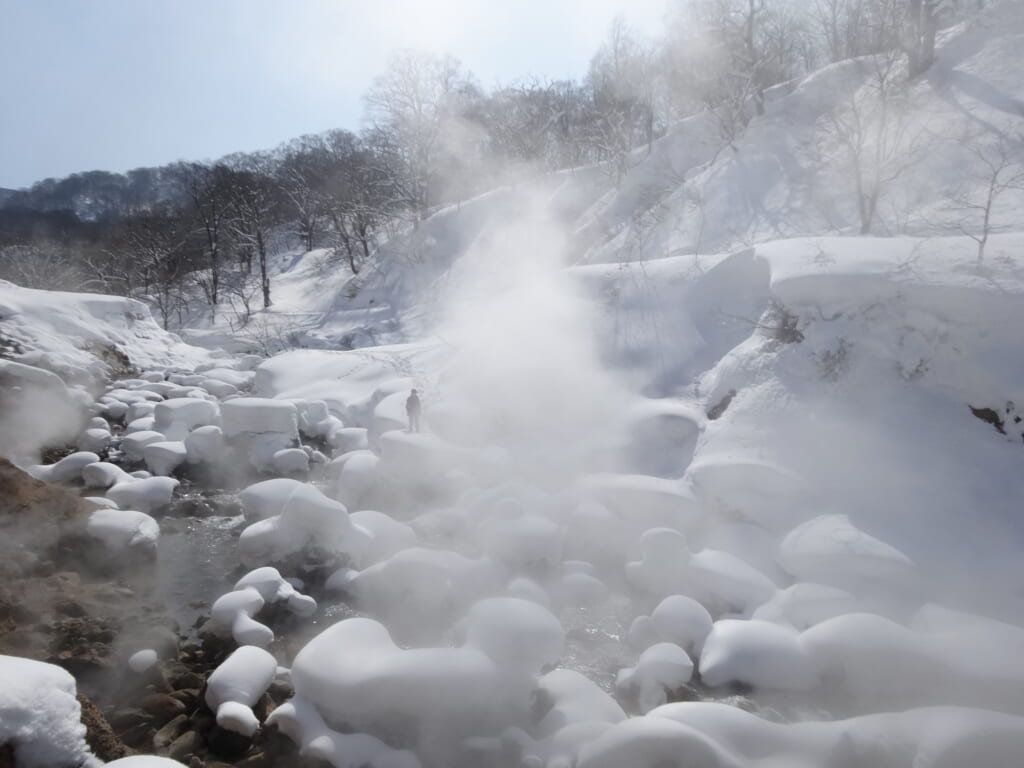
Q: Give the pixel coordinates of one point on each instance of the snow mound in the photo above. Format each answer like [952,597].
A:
[40,716]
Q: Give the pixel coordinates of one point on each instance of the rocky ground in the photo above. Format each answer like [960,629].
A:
[62,603]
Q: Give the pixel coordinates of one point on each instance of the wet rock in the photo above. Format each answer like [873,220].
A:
[139,736]
[189,697]
[203,721]
[264,707]
[227,743]
[70,608]
[123,719]
[162,707]
[163,640]
[7,756]
[98,733]
[171,731]
[280,691]
[257,759]
[187,680]
[185,745]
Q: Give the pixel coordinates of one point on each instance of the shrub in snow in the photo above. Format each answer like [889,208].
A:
[682,620]
[236,685]
[121,529]
[307,519]
[66,470]
[758,654]
[40,716]
[660,670]
[145,495]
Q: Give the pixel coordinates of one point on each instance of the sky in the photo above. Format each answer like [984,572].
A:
[118,84]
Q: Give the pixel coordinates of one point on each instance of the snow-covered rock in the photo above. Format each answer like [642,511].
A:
[121,529]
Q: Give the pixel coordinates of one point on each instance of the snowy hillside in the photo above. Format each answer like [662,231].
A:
[707,476]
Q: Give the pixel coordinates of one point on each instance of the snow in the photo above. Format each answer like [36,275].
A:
[661,668]
[732,431]
[66,470]
[682,620]
[236,685]
[759,654]
[352,672]
[40,716]
[121,529]
[307,517]
[830,550]
[146,495]
[162,458]
[142,660]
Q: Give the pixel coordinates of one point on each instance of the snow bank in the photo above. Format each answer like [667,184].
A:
[759,654]
[40,716]
[236,685]
[307,519]
[122,529]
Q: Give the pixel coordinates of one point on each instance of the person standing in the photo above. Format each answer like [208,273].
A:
[412,410]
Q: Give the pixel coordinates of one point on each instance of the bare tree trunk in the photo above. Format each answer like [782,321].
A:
[261,247]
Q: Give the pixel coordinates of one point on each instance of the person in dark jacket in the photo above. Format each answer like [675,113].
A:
[412,410]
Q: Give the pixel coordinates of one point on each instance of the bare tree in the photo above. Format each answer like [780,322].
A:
[873,131]
[206,188]
[254,204]
[996,169]
[413,107]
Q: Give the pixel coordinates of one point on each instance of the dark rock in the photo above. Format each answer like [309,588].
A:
[169,732]
[189,697]
[181,677]
[202,720]
[123,719]
[98,733]
[7,756]
[163,707]
[185,745]
[227,743]
[280,691]
[70,608]
[163,640]
[257,759]
[264,707]
[139,736]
